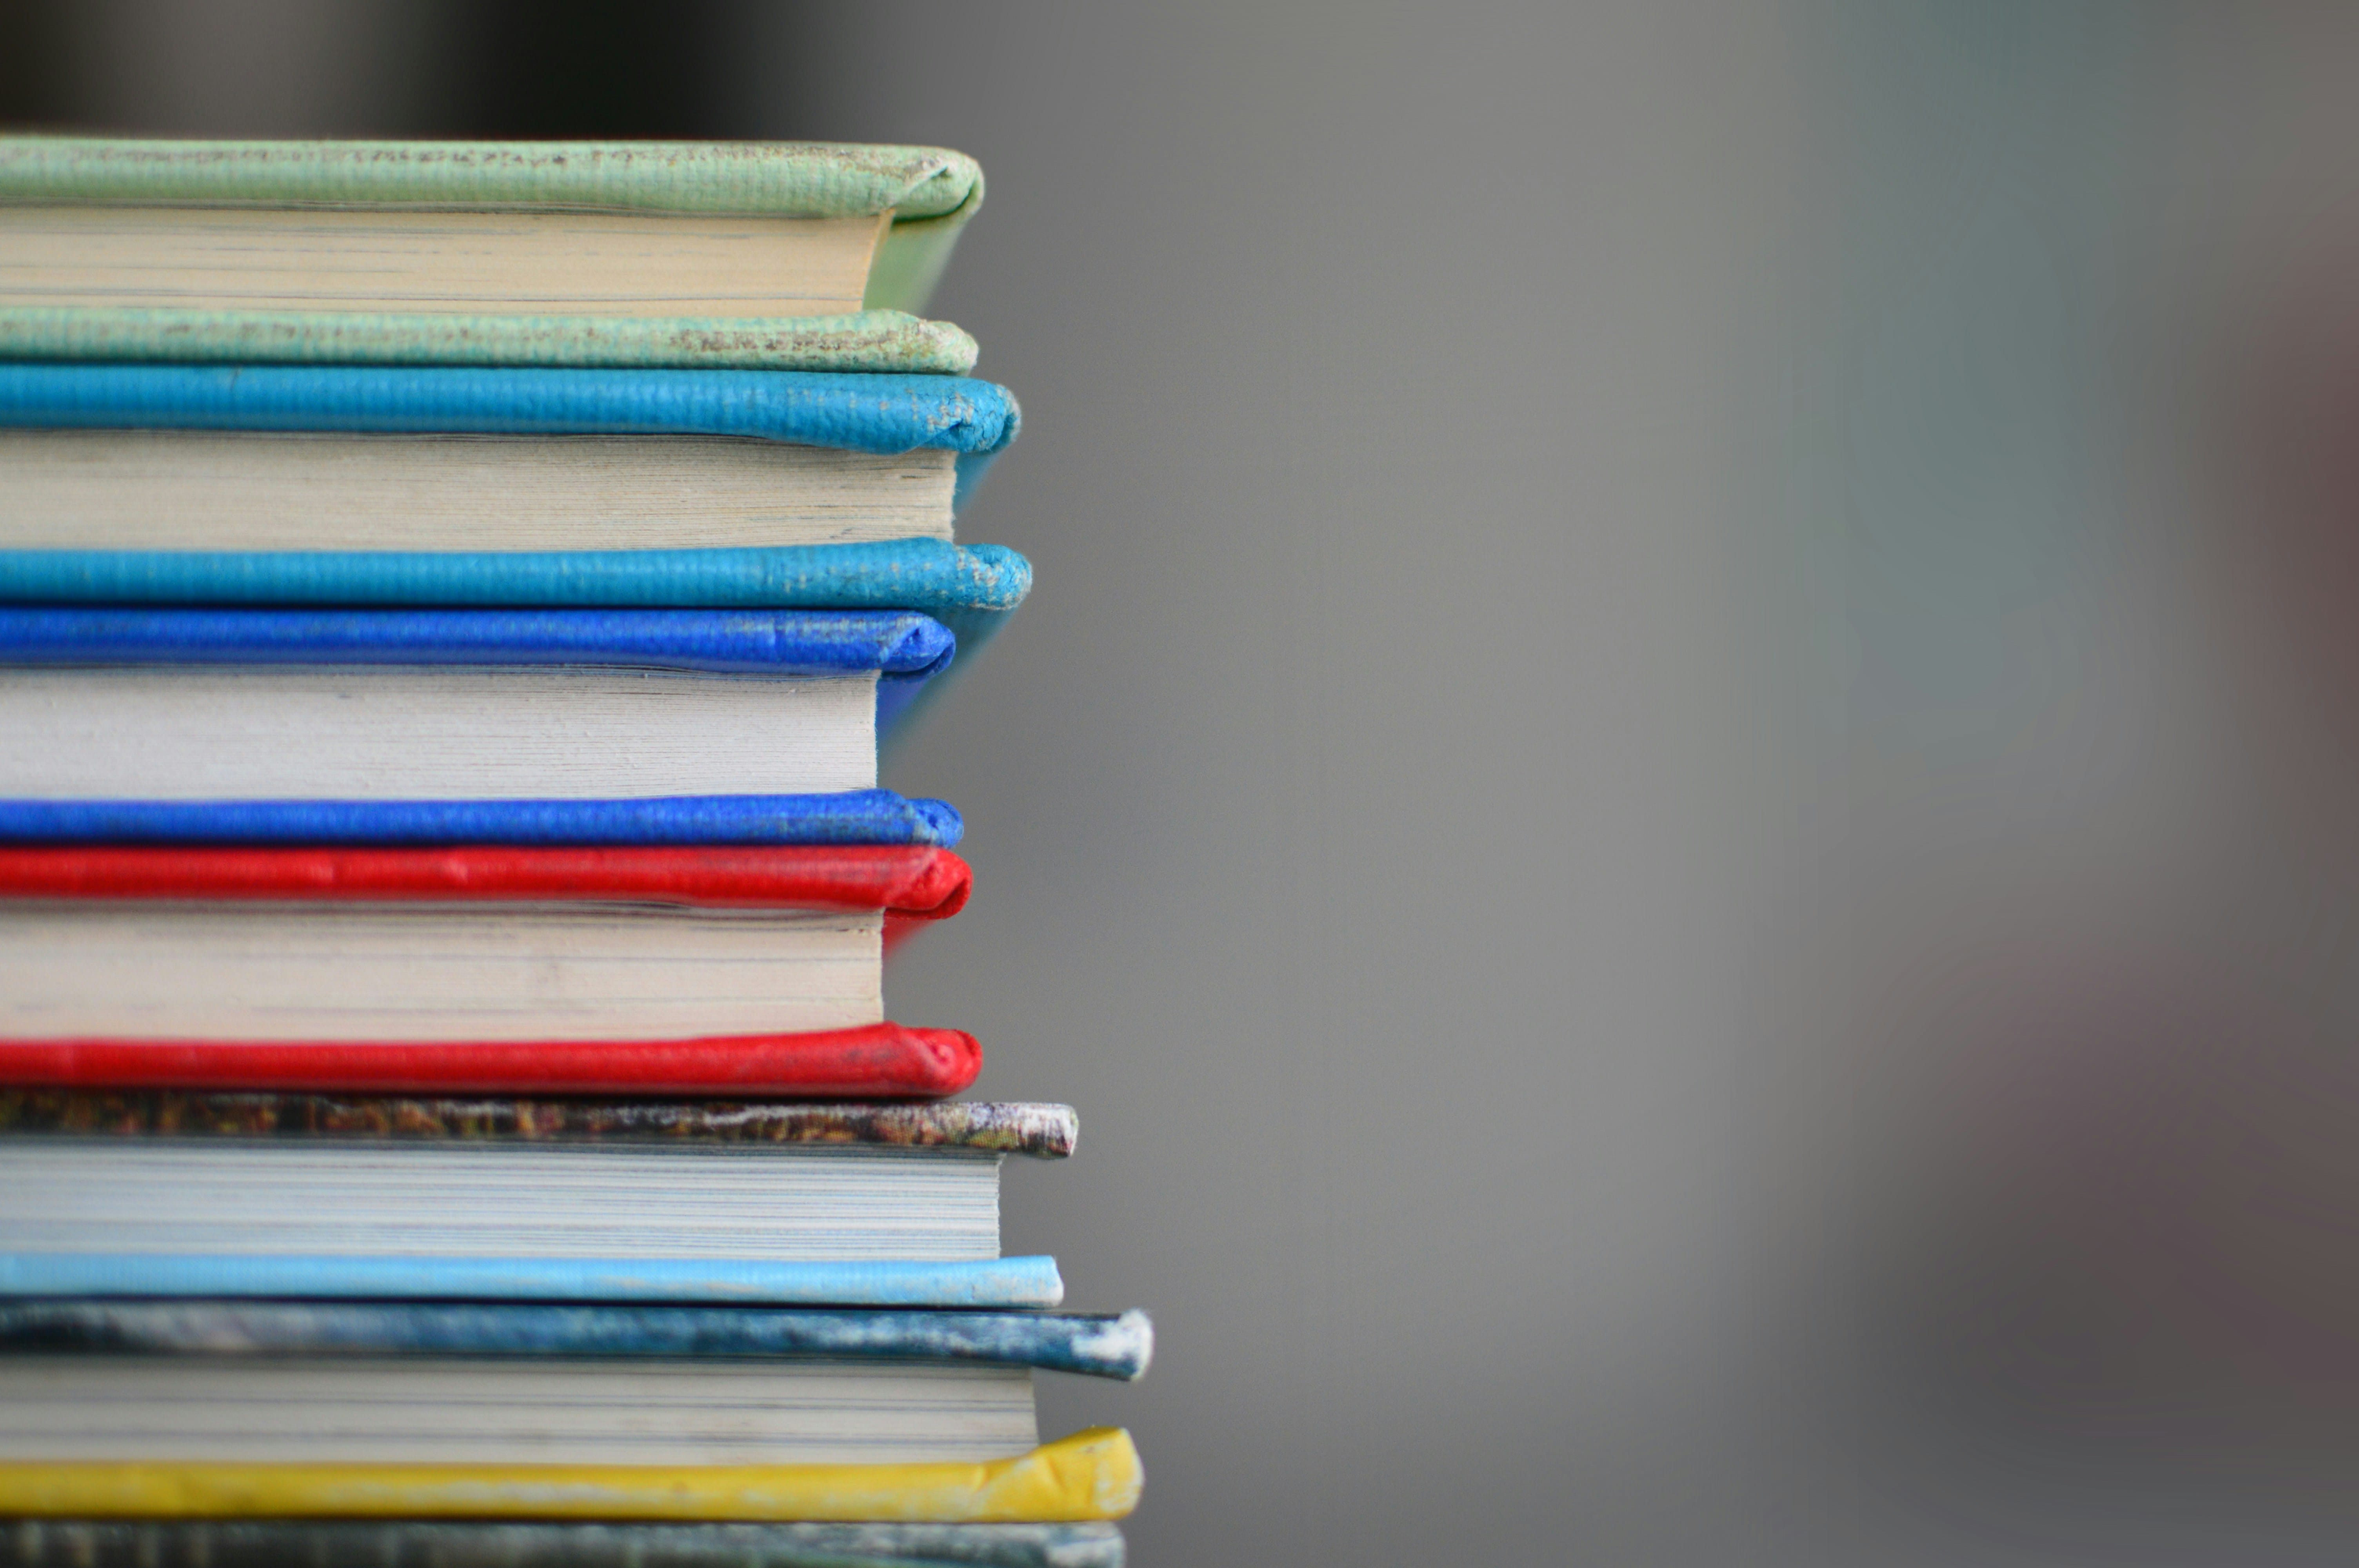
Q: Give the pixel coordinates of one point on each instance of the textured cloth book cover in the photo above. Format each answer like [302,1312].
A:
[975,419]
[931,193]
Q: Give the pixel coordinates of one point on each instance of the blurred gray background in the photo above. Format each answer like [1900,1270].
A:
[1680,792]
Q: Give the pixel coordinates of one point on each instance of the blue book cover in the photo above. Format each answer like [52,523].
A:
[852,817]
[898,645]
[971,590]
[902,648]
[1100,1345]
[975,419]
[1000,1282]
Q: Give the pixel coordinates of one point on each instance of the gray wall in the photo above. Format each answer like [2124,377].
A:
[1676,796]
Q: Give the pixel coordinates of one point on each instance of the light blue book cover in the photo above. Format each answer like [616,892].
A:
[975,419]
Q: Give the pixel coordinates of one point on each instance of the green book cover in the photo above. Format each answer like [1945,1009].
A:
[931,193]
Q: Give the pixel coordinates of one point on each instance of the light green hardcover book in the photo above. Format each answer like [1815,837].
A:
[763,255]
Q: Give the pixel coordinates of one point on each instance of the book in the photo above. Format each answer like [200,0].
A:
[174,1194]
[531,1410]
[371,950]
[776,254]
[1092,1474]
[115,703]
[165,457]
[467,1543]
[406,1382]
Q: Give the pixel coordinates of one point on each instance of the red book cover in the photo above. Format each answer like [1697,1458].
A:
[911,884]
[882,1061]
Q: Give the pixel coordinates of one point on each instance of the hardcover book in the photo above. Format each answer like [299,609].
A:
[394,1383]
[779,256]
[162,1194]
[129,704]
[475,967]
[161,457]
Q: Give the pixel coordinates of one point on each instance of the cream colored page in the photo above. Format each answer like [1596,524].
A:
[163,490]
[379,261]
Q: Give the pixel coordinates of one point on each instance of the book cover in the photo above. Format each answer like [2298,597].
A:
[894,645]
[464,1543]
[985,1282]
[902,648]
[871,413]
[1098,1345]
[848,817]
[877,1061]
[971,589]
[1040,1130]
[916,882]
[1092,1474]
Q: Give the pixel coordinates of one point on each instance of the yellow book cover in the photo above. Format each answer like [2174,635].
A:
[1092,1474]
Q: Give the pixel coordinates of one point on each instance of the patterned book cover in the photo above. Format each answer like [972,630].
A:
[1099,1345]
[458,1543]
[1041,1132]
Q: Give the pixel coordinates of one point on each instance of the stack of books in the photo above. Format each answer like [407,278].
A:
[450,597]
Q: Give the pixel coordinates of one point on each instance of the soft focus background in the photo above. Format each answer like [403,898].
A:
[1682,792]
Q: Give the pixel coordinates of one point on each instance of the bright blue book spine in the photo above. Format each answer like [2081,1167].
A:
[994,1282]
[853,816]
[1099,1345]
[895,644]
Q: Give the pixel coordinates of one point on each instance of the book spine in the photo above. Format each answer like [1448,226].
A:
[882,1061]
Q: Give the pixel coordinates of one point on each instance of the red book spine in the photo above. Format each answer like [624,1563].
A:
[881,1061]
